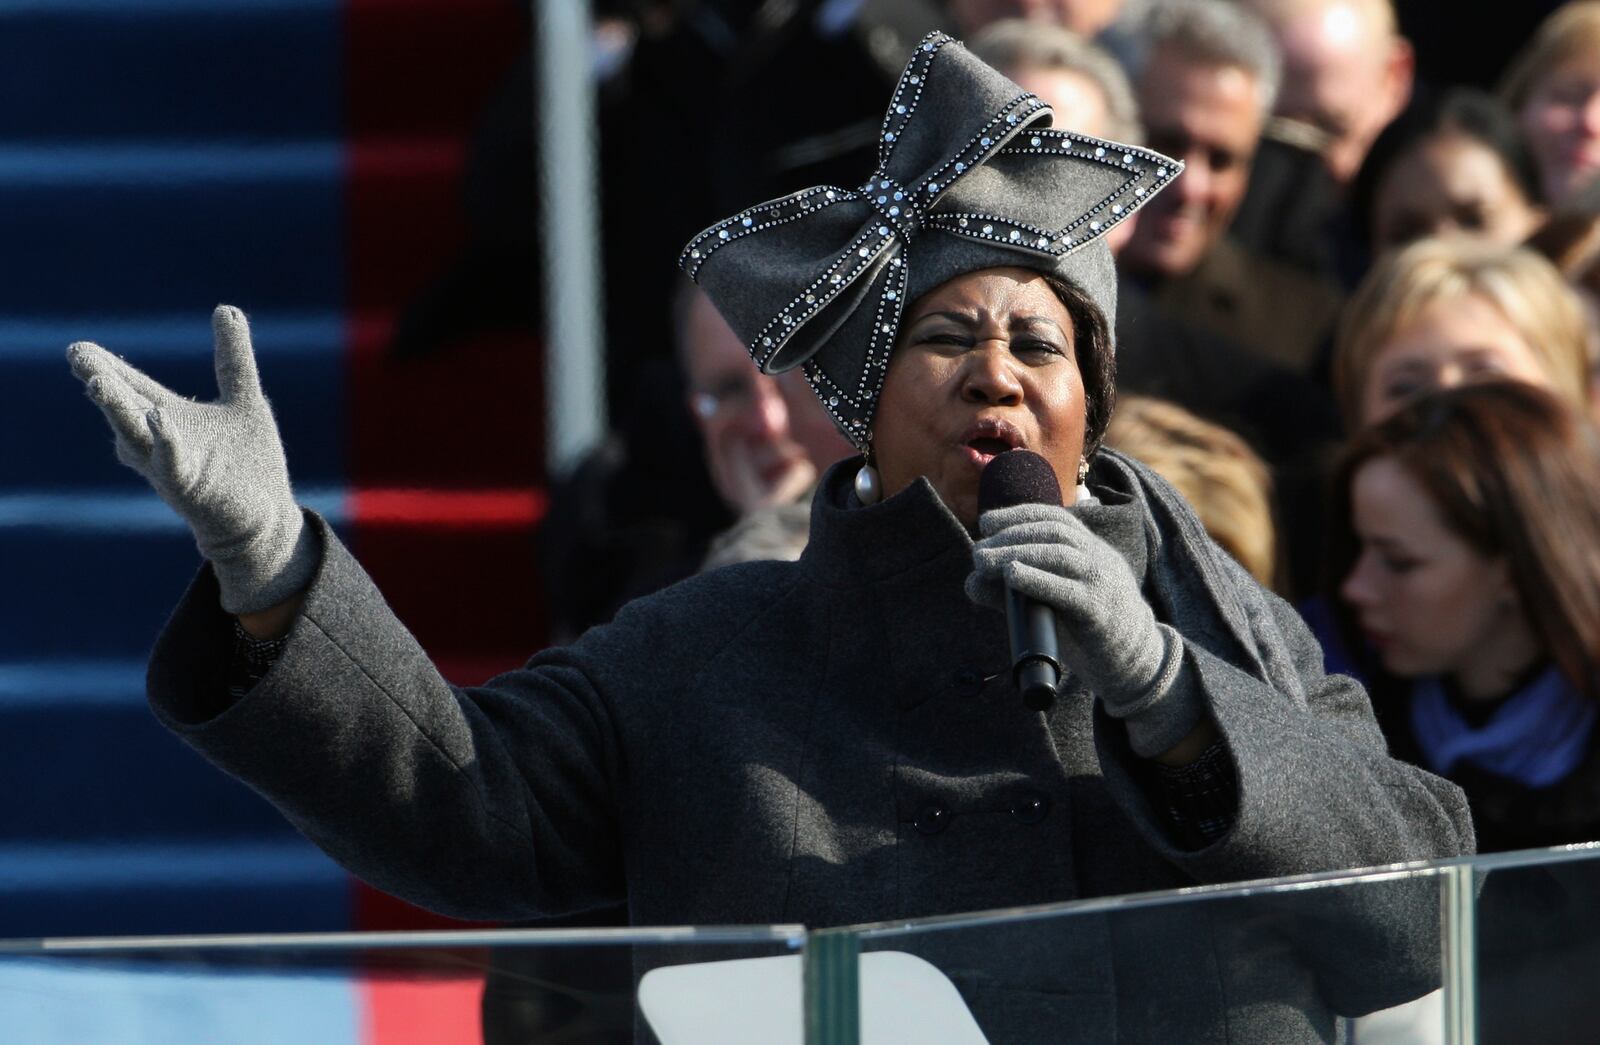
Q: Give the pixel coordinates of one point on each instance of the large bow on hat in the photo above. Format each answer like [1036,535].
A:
[969,177]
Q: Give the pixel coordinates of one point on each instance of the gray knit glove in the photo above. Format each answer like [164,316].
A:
[219,465]
[1108,636]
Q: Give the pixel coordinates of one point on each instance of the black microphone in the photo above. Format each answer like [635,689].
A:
[1023,477]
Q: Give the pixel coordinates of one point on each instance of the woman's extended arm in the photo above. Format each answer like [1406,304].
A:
[494,802]
[418,787]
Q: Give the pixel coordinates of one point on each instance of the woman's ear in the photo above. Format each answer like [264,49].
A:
[1503,586]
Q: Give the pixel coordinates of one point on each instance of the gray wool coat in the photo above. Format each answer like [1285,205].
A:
[833,741]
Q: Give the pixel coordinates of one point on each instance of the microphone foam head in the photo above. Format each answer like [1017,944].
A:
[1017,477]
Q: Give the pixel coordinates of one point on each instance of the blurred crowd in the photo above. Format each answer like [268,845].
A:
[1360,333]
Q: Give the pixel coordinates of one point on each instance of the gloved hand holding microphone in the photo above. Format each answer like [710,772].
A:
[1105,632]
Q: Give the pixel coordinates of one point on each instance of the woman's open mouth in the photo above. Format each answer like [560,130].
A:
[987,439]
[987,450]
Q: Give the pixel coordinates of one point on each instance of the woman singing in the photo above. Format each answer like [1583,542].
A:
[834,740]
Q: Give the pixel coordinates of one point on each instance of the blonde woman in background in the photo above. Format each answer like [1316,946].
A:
[1444,312]
[1214,470]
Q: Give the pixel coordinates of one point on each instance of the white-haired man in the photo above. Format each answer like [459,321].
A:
[1205,92]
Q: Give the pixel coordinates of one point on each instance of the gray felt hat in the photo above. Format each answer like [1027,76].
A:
[969,177]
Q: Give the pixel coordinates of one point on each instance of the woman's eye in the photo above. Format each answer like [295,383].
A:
[1397,390]
[1573,94]
[1398,564]
[1037,348]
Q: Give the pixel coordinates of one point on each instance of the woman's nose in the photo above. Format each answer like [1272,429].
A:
[1591,115]
[1357,588]
[990,376]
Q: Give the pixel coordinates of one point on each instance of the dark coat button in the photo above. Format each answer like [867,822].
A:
[932,819]
[1030,807]
[968,682]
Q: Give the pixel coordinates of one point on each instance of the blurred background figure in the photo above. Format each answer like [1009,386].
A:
[1454,164]
[1209,81]
[1485,612]
[1086,18]
[1080,80]
[1570,238]
[1347,73]
[1445,312]
[1213,468]
[1553,87]
[707,107]
[1467,524]
[1115,25]
[767,439]
[765,442]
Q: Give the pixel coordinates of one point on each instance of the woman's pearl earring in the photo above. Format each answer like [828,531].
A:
[868,487]
[1083,470]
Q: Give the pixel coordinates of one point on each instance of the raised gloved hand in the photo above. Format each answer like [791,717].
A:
[219,465]
[1109,637]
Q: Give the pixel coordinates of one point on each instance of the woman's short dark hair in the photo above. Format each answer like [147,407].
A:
[1515,472]
[1097,360]
[1460,110]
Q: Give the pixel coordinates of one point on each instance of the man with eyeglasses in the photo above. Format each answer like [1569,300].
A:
[767,439]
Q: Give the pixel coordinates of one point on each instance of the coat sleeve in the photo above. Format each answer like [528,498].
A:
[497,802]
[1317,791]
[1317,788]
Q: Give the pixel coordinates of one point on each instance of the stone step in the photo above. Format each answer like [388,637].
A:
[94,576]
[87,762]
[277,885]
[170,68]
[59,440]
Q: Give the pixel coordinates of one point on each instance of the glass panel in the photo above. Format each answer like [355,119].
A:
[1538,945]
[595,986]
[1287,961]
